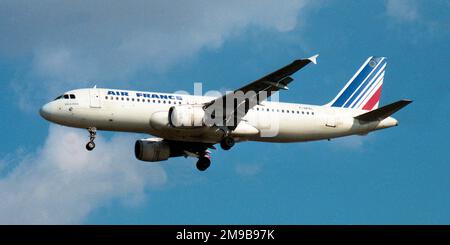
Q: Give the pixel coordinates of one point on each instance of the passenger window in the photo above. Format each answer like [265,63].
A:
[138,100]
[106,97]
[117,98]
[122,98]
[148,100]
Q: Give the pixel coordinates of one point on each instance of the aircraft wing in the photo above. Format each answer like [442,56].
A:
[234,105]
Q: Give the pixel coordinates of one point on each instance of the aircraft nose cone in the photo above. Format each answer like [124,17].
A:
[45,111]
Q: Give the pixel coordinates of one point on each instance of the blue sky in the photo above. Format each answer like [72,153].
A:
[395,176]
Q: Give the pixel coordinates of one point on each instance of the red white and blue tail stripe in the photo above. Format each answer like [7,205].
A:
[363,90]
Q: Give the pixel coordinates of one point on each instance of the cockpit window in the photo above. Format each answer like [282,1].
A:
[66,96]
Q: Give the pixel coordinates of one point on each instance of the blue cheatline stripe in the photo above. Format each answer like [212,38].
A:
[365,84]
[355,83]
[367,90]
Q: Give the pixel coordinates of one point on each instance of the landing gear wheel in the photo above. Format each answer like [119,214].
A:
[203,163]
[227,143]
[90,145]
[92,134]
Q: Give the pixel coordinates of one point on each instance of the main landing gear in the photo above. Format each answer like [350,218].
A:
[204,161]
[227,142]
[92,133]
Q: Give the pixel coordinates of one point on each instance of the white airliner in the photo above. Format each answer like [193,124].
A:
[187,125]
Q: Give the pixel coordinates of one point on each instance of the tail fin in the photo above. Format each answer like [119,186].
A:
[363,90]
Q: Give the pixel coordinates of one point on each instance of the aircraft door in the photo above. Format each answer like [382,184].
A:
[94,95]
[330,120]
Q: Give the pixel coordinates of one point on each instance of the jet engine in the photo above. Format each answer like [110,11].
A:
[152,150]
[187,116]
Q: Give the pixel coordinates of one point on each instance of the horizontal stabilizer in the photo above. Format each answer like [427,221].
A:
[383,112]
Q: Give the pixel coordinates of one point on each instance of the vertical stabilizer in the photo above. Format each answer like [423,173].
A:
[363,90]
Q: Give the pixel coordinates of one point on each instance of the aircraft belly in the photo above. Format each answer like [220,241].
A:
[203,135]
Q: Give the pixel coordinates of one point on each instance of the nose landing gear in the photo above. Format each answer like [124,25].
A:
[92,134]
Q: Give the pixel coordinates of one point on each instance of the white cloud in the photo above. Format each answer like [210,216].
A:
[62,182]
[402,10]
[77,42]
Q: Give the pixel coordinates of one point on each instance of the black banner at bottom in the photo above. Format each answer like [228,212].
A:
[218,233]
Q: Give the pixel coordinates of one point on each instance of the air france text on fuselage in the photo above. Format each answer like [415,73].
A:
[146,95]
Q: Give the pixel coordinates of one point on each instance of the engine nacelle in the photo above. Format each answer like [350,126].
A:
[187,116]
[152,150]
